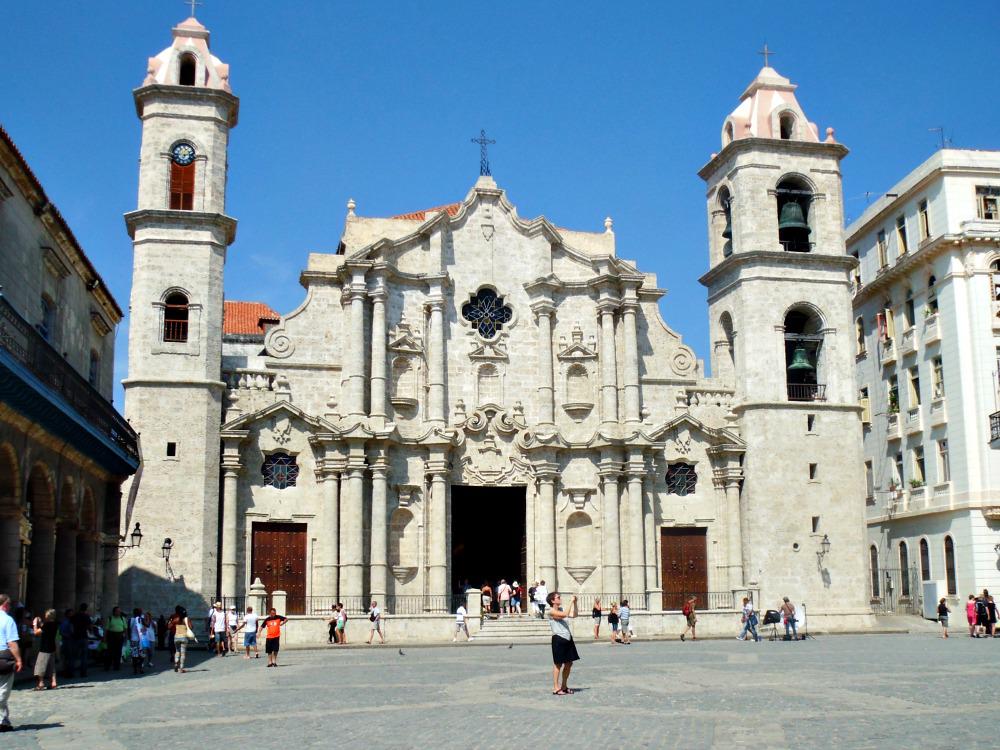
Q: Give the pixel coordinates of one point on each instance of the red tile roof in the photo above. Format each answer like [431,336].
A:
[246,318]
[451,209]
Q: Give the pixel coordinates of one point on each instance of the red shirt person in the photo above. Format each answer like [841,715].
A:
[272,627]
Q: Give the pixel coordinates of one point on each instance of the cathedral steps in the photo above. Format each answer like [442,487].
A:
[522,629]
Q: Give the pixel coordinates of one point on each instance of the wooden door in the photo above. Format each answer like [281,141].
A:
[279,560]
[684,560]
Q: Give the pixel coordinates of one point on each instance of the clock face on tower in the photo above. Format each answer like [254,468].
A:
[182,154]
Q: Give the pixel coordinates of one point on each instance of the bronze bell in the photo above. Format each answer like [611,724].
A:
[792,217]
[727,233]
[800,360]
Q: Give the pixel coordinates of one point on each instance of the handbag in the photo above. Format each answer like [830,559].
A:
[7,661]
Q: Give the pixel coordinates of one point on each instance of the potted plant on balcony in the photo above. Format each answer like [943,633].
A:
[916,483]
[893,404]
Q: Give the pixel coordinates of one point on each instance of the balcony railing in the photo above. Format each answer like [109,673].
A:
[32,351]
[806,392]
[995,426]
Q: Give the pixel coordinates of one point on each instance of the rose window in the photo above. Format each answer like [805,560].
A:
[487,313]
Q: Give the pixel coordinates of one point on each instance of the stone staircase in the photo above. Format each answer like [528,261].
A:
[522,629]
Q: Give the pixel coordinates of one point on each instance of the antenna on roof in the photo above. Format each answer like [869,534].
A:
[945,142]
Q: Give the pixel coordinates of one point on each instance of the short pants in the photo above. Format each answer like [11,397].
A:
[271,645]
[249,639]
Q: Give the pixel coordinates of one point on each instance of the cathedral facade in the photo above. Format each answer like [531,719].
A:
[466,394]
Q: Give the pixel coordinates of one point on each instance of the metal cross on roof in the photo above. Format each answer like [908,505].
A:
[766,53]
[484,159]
[192,3]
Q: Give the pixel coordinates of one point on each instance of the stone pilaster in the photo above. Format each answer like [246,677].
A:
[231,467]
[87,548]
[354,362]
[610,471]
[734,552]
[609,368]
[351,532]
[637,552]
[379,531]
[329,579]
[438,548]
[630,367]
[10,550]
[378,339]
[435,355]
[545,312]
[546,474]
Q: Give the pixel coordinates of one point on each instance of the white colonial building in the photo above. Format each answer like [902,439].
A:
[463,368]
[928,344]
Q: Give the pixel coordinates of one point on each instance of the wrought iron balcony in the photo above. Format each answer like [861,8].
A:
[806,392]
[995,426]
[30,350]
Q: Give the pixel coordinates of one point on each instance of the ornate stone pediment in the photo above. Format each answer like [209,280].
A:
[494,351]
[488,452]
[577,350]
[405,339]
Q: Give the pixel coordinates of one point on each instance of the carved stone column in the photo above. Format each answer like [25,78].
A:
[230,485]
[378,377]
[64,589]
[354,361]
[109,576]
[10,550]
[351,532]
[610,471]
[438,550]
[545,560]
[609,367]
[637,550]
[435,357]
[330,572]
[734,552]
[379,559]
[41,564]
[545,312]
[630,367]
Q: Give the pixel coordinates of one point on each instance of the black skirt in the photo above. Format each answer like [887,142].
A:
[563,651]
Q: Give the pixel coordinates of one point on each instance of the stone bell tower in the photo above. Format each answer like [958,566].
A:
[780,320]
[173,392]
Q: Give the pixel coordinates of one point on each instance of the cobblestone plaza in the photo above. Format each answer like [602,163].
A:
[842,691]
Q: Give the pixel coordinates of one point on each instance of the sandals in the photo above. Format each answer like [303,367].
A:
[563,691]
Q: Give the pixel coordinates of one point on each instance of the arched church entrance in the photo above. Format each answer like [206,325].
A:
[488,539]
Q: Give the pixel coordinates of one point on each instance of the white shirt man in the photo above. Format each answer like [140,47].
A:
[8,641]
[217,622]
[540,594]
[503,594]
[460,625]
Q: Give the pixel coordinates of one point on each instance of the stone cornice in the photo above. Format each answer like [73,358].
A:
[172,219]
[777,257]
[187,94]
[743,145]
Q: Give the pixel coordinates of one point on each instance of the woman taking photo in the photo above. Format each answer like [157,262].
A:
[563,649]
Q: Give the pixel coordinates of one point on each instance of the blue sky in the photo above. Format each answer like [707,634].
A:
[598,108]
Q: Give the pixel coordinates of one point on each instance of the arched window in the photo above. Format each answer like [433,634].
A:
[187,71]
[726,204]
[175,318]
[949,566]
[578,385]
[726,323]
[925,561]
[94,374]
[932,300]
[859,332]
[873,564]
[803,353]
[904,569]
[728,134]
[794,204]
[681,479]
[489,385]
[280,470]
[786,124]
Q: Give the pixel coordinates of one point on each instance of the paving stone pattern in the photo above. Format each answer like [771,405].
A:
[843,692]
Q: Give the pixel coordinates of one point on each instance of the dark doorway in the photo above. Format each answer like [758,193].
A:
[488,541]
[684,556]
[279,560]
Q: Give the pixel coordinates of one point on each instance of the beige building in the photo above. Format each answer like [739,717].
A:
[461,367]
[64,450]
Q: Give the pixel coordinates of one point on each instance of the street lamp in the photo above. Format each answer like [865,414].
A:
[168,544]
[136,535]
[824,549]
[135,539]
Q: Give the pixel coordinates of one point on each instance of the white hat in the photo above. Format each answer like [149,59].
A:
[514,584]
